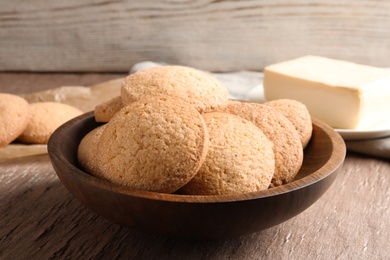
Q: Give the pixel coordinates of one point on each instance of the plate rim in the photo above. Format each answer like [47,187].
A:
[350,134]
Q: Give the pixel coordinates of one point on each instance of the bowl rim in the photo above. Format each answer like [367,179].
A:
[334,162]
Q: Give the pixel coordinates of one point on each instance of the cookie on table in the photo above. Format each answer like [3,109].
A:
[86,152]
[45,117]
[240,158]
[287,143]
[195,87]
[298,114]
[14,113]
[106,110]
[155,144]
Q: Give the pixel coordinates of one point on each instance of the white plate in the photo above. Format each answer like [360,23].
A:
[379,130]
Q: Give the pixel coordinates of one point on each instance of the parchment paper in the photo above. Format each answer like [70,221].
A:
[84,98]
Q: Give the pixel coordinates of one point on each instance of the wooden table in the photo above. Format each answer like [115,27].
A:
[39,218]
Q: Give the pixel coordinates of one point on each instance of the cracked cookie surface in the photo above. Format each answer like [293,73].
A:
[240,158]
[298,114]
[155,144]
[86,152]
[14,113]
[287,143]
[44,119]
[193,86]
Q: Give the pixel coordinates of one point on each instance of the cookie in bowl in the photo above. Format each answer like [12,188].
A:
[106,110]
[155,144]
[287,143]
[240,158]
[298,114]
[86,152]
[193,86]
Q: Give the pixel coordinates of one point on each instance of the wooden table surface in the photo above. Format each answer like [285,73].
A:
[40,219]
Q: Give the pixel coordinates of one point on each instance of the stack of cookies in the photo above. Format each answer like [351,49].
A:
[31,123]
[173,129]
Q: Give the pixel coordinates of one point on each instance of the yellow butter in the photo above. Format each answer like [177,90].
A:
[343,94]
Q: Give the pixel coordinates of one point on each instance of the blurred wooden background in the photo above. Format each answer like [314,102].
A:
[219,35]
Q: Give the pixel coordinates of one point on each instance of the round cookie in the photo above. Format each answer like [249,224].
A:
[240,158]
[287,144]
[45,117]
[14,112]
[199,89]
[155,144]
[106,110]
[86,152]
[298,114]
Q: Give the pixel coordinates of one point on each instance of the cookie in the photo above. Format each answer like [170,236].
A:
[155,144]
[240,158]
[193,86]
[14,112]
[45,117]
[298,114]
[106,110]
[86,152]
[287,143]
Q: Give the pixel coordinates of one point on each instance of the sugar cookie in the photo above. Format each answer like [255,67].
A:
[193,86]
[86,152]
[240,158]
[287,144]
[14,112]
[155,144]
[298,114]
[45,117]
[106,110]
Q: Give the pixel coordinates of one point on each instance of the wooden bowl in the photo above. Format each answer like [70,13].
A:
[197,217]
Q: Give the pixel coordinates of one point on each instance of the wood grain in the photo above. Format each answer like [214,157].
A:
[101,35]
[40,219]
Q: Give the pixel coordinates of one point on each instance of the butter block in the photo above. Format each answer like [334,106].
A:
[343,94]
